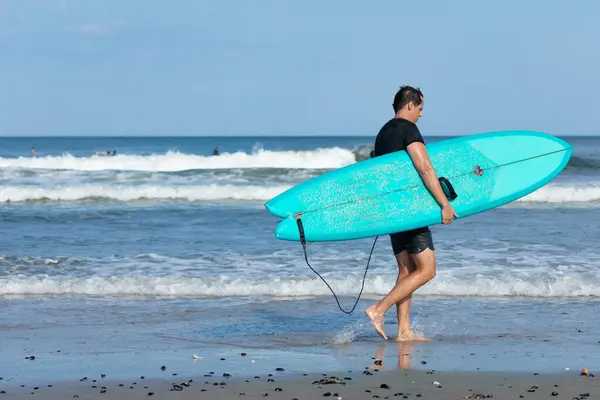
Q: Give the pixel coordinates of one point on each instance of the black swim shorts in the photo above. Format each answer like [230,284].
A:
[414,241]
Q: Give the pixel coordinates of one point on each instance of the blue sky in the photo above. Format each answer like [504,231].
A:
[243,67]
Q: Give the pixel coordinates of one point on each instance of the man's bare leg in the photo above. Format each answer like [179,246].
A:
[425,270]
[405,267]
[405,333]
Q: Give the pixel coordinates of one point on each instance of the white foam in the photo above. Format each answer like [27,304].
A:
[549,284]
[334,157]
[120,192]
[564,194]
[130,193]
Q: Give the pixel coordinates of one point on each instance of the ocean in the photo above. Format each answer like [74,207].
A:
[163,251]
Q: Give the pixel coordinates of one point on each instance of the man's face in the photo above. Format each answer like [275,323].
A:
[415,112]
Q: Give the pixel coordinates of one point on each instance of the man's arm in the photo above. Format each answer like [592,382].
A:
[422,163]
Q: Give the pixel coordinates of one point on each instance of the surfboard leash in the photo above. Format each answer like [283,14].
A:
[303,242]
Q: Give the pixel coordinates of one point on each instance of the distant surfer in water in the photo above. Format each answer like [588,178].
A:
[107,153]
[413,249]
[216,151]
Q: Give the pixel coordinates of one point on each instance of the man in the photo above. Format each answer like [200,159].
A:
[413,249]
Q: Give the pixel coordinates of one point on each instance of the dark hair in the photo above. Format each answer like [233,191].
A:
[405,95]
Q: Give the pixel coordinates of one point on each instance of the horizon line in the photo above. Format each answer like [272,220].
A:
[254,135]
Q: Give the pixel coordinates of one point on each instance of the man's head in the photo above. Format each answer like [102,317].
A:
[408,103]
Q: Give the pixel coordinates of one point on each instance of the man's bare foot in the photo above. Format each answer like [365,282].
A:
[410,336]
[377,321]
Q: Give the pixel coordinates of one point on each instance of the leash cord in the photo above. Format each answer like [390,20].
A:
[334,295]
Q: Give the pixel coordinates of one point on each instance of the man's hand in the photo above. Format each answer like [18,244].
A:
[447,214]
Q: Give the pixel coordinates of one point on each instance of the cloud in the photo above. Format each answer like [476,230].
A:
[94,29]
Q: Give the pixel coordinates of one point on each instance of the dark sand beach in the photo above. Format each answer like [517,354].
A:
[367,384]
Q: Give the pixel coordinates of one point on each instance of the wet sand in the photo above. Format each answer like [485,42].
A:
[367,384]
[477,355]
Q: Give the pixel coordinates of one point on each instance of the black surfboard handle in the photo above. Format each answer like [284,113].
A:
[448,188]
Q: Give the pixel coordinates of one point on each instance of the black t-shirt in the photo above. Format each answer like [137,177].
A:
[396,135]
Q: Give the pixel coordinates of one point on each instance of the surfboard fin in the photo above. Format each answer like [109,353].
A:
[447,188]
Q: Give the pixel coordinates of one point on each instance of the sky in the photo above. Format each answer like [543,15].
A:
[311,67]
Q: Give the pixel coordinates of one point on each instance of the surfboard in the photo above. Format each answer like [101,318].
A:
[385,194]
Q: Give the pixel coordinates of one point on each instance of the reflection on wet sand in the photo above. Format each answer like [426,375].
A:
[404,353]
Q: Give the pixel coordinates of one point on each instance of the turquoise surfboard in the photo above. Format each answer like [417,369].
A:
[385,194]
